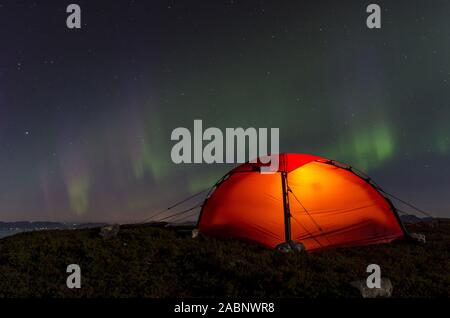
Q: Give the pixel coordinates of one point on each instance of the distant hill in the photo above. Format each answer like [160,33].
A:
[153,260]
[11,228]
[48,225]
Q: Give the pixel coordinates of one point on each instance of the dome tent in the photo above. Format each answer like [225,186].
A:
[315,201]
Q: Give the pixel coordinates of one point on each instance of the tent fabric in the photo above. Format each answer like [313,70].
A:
[329,206]
[287,162]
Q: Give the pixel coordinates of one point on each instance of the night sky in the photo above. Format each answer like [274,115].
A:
[86,115]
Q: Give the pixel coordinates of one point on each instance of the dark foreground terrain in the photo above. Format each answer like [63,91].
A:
[151,261]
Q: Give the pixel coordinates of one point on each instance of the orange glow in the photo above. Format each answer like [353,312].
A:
[329,207]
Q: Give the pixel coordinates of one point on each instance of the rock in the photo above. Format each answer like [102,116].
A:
[291,246]
[283,247]
[366,292]
[297,247]
[194,233]
[418,237]
[109,231]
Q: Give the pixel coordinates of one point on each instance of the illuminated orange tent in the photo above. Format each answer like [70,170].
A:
[315,201]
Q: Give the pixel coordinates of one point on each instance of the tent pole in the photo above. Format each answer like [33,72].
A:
[287,212]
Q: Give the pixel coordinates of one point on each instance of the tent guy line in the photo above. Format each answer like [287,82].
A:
[294,164]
